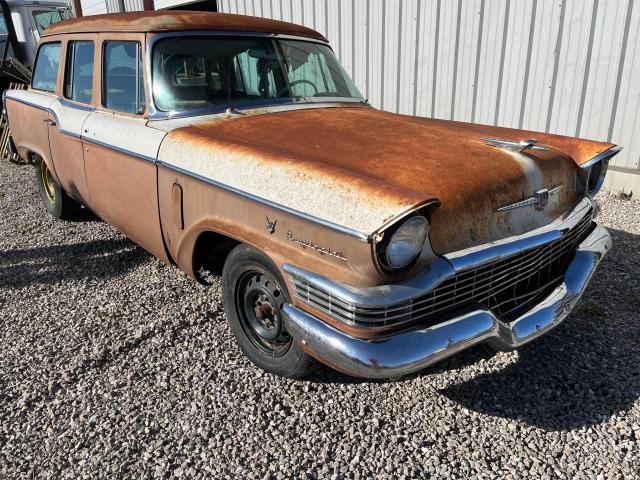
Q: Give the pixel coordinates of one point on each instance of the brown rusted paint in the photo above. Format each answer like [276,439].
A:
[67,152]
[164,21]
[30,132]
[207,208]
[123,192]
[408,160]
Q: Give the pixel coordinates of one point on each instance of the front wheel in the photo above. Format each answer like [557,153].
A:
[254,294]
[55,199]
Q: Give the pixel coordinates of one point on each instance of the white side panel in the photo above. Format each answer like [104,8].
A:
[123,133]
[70,118]
[33,97]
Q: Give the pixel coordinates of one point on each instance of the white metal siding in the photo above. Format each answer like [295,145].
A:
[569,67]
[93,7]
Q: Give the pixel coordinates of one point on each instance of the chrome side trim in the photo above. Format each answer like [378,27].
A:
[443,268]
[49,111]
[413,350]
[118,149]
[333,226]
[78,106]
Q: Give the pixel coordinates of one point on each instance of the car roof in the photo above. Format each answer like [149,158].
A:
[169,21]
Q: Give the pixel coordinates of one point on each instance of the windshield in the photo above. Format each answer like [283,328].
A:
[199,72]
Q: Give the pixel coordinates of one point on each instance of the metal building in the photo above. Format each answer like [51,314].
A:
[570,67]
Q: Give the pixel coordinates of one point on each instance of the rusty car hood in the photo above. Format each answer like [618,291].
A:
[362,167]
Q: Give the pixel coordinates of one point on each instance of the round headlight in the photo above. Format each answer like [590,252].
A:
[407,242]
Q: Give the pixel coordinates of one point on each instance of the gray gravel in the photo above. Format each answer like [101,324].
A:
[114,365]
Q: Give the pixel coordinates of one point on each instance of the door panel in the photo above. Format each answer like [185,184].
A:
[29,116]
[119,158]
[66,148]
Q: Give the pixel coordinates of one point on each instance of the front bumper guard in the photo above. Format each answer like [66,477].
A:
[413,350]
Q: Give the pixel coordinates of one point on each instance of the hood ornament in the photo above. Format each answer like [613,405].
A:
[539,200]
[513,146]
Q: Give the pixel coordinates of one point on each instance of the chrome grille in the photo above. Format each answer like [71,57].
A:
[506,287]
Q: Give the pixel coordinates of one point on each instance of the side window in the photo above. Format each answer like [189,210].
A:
[78,82]
[122,82]
[46,69]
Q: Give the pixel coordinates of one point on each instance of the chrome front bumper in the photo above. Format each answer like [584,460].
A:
[413,350]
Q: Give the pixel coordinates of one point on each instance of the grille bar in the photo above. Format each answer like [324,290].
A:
[505,286]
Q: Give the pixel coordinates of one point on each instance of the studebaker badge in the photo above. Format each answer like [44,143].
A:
[539,200]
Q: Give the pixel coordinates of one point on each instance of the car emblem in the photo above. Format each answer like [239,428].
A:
[520,146]
[271,225]
[539,200]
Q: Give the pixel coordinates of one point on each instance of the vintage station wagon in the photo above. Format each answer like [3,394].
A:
[373,242]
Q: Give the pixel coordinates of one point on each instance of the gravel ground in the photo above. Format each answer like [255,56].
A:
[114,365]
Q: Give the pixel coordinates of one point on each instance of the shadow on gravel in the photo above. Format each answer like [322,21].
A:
[98,259]
[585,371]
[83,216]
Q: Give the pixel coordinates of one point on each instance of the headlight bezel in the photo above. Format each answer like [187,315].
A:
[592,173]
[388,237]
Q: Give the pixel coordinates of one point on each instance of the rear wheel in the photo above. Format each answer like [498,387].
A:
[254,294]
[55,199]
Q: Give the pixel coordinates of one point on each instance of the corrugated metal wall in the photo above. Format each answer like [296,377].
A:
[570,67]
[129,5]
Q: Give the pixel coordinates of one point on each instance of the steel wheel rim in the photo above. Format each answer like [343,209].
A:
[47,182]
[259,301]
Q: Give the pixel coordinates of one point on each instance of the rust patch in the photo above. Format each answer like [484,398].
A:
[163,21]
[406,160]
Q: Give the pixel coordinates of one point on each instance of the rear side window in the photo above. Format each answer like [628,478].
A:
[122,83]
[46,69]
[78,83]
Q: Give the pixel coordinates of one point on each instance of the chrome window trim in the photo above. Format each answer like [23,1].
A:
[35,62]
[104,72]
[155,114]
[444,267]
[69,74]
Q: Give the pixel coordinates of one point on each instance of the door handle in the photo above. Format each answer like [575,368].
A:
[48,121]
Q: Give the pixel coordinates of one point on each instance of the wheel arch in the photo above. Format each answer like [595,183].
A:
[210,248]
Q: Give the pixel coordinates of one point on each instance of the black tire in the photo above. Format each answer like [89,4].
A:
[54,198]
[251,285]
